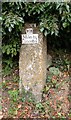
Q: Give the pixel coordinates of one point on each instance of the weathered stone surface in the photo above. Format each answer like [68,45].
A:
[33,64]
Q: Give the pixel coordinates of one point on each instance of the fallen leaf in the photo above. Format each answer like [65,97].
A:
[19,106]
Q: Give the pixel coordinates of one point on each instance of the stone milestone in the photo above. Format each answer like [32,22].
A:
[33,61]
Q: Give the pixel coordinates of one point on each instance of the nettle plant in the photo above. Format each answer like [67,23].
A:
[53,19]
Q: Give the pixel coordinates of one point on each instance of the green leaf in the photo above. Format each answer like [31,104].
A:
[8,51]
[10,29]
[60,10]
[67,7]
[0,18]
[39,106]
[54,70]
[69,19]
[65,24]
[47,88]
[12,25]
[52,32]
[34,1]
[45,33]
[42,29]
[3,49]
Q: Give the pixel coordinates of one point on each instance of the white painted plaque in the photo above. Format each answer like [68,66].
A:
[29,37]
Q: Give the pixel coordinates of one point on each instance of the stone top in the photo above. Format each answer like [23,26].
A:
[31,25]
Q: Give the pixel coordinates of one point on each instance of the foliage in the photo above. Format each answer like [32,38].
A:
[13,95]
[12,110]
[16,79]
[61,64]
[10,49]
[39,106]
[27,96]
[61,60]
[54,71]
[54,20]
[8,65]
